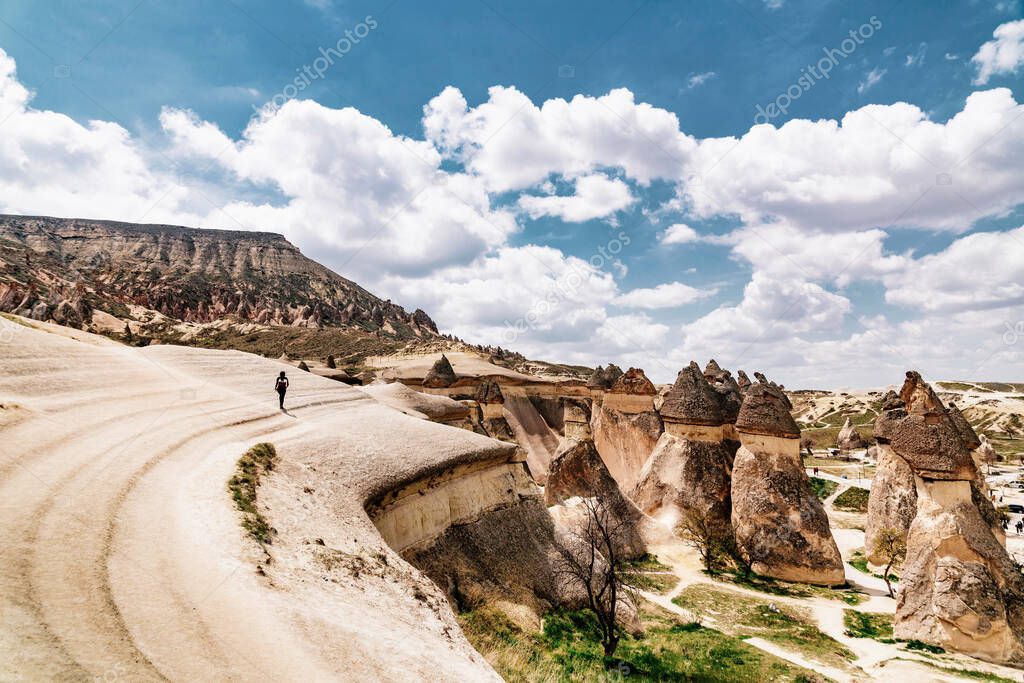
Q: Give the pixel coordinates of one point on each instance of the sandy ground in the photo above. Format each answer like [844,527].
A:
[464,363]
[122,554]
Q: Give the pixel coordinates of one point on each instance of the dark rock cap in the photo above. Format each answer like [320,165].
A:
[442,374]
[712,370]
[963,427]
[764,412]
[634,381]
[598,379]
[612,373]
[489,392]
[922,432]
[742,380]
[759,376]
[691,400]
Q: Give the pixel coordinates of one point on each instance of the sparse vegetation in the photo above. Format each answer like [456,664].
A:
[569,649]
[793,590]
[823,488]
[743,616]
[256,462]
[892,547]
[924,647]
[853,499]
[872,625]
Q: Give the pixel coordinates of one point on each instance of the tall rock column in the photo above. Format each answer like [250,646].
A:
[626,426]
[779,523]
[959,589]
[689,472]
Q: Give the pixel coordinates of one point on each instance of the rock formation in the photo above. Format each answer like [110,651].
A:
[849,438]
[959,588]
[689,472]
[63,269]
[742,380]
[440,375]
[577,471]
[779,523]
[626,426]
[576,418]
[491,416]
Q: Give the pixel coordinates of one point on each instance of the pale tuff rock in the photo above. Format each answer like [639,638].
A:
[441,375]
[577,471]
[532,433]
[576,418]
[849,438]
[959,589]
[779,523]
[625,440]
[491,419]
[688,477]
[892,502]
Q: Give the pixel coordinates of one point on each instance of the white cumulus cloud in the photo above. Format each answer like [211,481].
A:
[1002,55]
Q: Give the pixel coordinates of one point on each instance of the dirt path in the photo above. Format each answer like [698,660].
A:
[873,661]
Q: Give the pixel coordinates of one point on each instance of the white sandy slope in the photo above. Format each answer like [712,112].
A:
[122,555]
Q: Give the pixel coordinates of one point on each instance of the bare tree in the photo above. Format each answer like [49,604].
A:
[807,444]
[593,560]
[892,546]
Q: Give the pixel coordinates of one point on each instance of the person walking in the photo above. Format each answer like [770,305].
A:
[281,386]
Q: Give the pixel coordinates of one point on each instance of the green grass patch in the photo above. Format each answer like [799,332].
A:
[859,562]
[787,626]
[924,647]
[654,582]
[823,488]
[256,462]
[872,625]
[853,499]
[568,649]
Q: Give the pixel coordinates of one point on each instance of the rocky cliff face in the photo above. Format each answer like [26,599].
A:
[63,269]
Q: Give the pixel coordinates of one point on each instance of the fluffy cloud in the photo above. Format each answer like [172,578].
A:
[679,233]
[596,196]
[356,193]
[978,272]
[1003,55]
[511,143]
[886,165]
[666,295]
[51,164]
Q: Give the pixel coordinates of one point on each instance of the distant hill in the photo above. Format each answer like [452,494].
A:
[205,287]
[995,409]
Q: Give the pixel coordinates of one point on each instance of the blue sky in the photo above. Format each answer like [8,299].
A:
[428,161]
